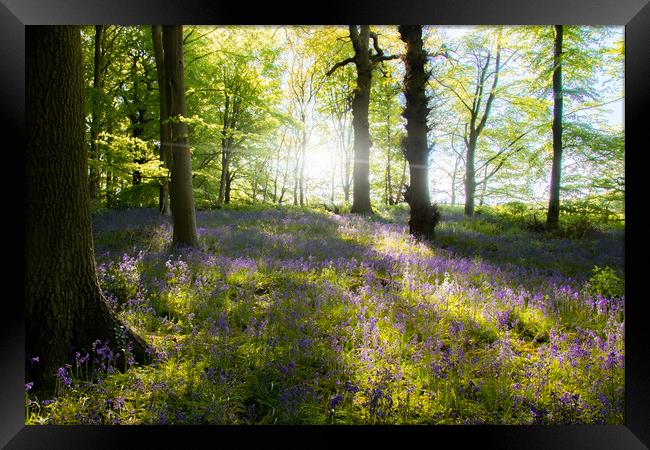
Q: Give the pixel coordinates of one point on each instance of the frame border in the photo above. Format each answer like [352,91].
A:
[634,14]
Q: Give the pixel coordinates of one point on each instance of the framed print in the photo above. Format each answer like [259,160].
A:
[249,222]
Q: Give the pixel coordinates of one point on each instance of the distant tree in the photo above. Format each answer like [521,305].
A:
[424,215]
[475,86]
[65,309]
[304,81]
[387,127]
[365,61]
[181,195]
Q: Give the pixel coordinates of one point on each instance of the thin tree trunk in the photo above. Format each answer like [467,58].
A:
[483,186]
[453,182]
[477,124]
[295,183]
[553,215]
[303,150]
[389,188]
[65,309]
[230,177]
[164,206]
[182,198]
[225,152]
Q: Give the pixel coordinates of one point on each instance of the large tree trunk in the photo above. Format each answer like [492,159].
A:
[94,123]
[165,127]
[553,215]
[360,105]
[182,198]
[65,310]
[424,216]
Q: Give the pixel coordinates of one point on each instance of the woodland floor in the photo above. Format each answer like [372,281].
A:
[297,316]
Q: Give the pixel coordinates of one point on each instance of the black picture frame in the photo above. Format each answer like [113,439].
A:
[633,14]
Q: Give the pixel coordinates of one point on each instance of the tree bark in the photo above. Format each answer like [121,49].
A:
[229,177]
[225,151]
[303,157]
[553,214]
[360,123]
[65,310]
[165,126]
[182,198]
[424,216]
[470,174]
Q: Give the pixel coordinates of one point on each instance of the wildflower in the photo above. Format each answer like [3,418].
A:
[350,387]
[334,401]
[81,359]
[63,376]
[28,386]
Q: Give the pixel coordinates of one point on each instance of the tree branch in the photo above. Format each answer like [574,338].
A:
[340,64]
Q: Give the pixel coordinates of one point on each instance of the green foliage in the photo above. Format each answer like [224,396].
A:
[605,282]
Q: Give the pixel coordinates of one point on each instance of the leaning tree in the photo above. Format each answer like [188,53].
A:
[64,307]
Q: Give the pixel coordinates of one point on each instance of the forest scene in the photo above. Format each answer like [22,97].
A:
[332,225]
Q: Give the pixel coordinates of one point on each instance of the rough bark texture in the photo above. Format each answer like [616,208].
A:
[165,127]
[424,216]
[553,215]
[182,198]
[65,310]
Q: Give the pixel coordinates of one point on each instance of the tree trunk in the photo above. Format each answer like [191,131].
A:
[65,310]
[453,182]
[225,151]
[483,186]
[94,124]
[303,150]
[182,198]
[223,181]
[553,215]
[165,126]
[424,216]
[470,175]
[360,105]
[229,177]
[389,187]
